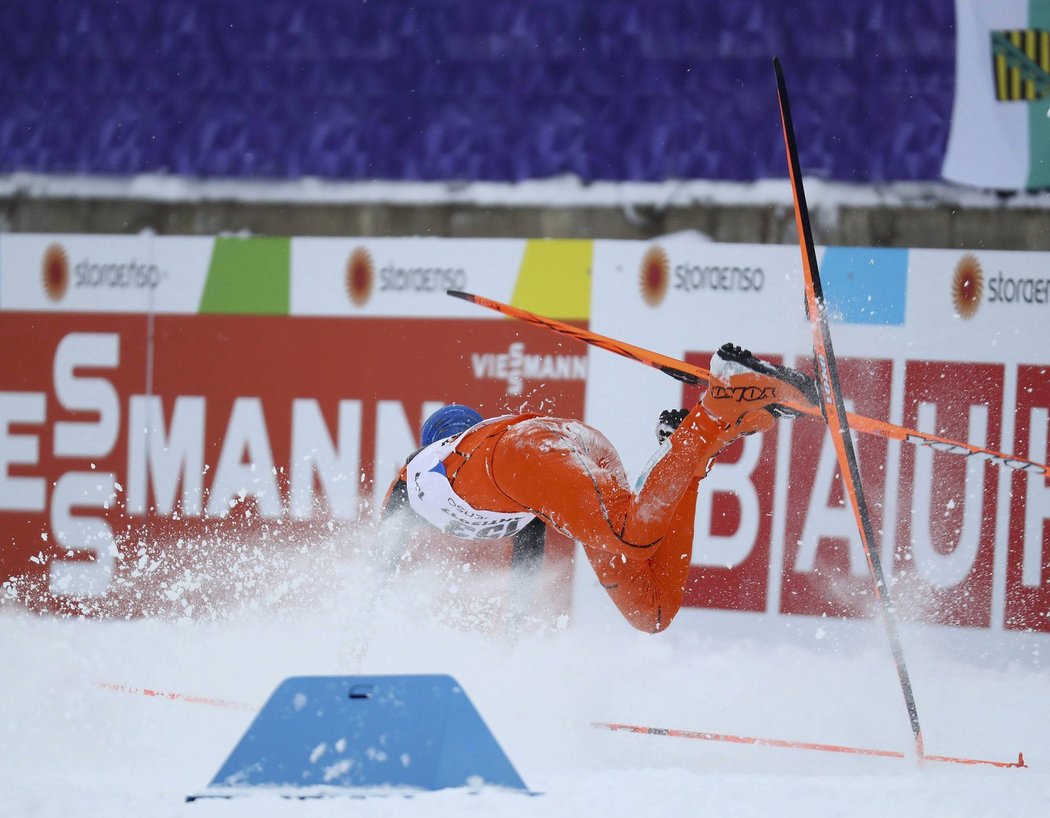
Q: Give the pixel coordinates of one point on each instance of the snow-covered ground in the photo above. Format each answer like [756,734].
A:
[79,738]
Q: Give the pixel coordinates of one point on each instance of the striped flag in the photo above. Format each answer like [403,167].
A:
[1000,133]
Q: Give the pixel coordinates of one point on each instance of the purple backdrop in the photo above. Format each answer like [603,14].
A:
[474,89]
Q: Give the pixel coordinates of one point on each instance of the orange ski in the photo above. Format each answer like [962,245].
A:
[691,374]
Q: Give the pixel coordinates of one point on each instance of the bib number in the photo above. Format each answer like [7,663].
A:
[432,497]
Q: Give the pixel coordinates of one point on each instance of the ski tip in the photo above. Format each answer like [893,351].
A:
[779,71]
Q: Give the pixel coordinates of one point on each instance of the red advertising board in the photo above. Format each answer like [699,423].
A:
[1028,551]
[164,464]
[824,568]
[944,548]
[941,550]
[740,584]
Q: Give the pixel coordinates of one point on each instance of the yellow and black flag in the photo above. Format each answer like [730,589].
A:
[1000,131]
[1021,62]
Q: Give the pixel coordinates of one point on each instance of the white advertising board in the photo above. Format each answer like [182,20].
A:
[950,342]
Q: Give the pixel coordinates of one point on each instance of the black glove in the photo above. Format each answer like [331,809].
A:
[670,419]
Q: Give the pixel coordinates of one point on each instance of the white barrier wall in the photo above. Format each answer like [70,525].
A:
[157,390]
[952,342]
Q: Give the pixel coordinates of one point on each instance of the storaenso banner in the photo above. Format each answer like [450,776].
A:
[93,273]
[392,276]
[920,343]
[692,277]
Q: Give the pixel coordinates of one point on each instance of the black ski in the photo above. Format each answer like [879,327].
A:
[834,408]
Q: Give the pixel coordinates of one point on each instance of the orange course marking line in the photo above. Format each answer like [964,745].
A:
[616,727]
[145,691]
[796,745]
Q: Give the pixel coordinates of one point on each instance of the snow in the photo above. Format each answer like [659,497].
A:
[81,738]
[560,191]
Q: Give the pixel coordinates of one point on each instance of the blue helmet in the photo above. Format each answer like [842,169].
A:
[448,421]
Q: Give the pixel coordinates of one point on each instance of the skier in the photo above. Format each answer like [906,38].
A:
[510,476]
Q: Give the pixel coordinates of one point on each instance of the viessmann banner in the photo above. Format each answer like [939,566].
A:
[177,413]
[955,343]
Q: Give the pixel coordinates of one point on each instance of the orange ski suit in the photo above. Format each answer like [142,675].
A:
[569,475]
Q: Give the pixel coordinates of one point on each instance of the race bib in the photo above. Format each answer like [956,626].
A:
[431,496]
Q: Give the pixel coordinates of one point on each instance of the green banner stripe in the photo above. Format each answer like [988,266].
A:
[1038,144]
[1039,13]
[249,276]
[1038,122]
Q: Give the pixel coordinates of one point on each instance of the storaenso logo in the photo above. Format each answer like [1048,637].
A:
[117,275]
[969,284]
[693,277]
[1009,290]
[54,272]
[421,279]
[654,275]
[360,278]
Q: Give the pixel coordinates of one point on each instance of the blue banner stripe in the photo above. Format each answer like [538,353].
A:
[865,285]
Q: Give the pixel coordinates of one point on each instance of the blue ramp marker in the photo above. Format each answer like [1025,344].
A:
[364,735]
[865,285]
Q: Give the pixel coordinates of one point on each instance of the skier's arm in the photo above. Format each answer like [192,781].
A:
[526,560]
[526,556]
[396,524]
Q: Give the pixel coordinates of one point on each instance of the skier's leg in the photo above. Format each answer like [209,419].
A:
[649,592]
[570,474]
